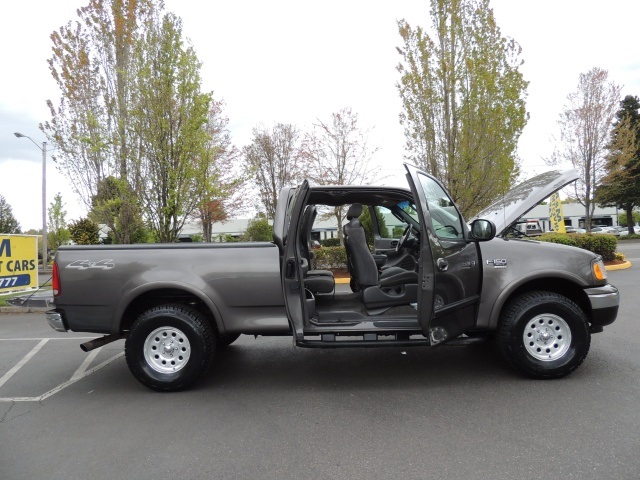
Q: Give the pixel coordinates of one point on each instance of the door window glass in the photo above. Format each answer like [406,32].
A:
[444,214]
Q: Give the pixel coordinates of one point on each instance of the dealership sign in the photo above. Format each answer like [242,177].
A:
[18,262]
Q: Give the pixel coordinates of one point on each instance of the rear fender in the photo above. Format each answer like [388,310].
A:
[135,293]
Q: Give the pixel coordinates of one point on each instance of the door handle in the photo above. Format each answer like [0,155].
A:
[442,265]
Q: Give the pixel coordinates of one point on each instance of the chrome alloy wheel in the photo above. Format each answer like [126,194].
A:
[547,337]
[167,350]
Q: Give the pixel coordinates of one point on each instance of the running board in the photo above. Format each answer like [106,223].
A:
[374,340]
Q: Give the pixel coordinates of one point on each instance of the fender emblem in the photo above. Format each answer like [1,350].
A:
[498,262]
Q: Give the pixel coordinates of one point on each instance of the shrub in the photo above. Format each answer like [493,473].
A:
[84,232]
[330,257]
[258,230]
[330,242]
[603,245]
[562,238]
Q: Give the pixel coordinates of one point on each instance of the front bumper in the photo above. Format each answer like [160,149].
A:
[604,301]
[56,320]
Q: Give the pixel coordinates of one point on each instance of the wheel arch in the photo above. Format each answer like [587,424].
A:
[151,295]
[565,285]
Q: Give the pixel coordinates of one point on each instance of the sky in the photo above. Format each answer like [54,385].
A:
[290,61]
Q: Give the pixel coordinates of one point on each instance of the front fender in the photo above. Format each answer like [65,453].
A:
[490,310]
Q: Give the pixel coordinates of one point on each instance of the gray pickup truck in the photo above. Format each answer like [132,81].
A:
[443,282]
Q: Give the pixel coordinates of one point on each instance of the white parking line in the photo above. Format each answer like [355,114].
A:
[24,360]
[79,374]
[87,361]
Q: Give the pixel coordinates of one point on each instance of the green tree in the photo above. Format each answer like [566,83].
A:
[222,184]
[171,115]
[367,224]
[258,230]
[8,223]
[272,161]
[92,63]
[624,221]
[131,110]
[585,127]
[463,101]
[58,231]
[84,232]
[620,186]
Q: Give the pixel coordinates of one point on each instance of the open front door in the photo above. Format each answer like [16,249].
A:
[291,266]
[450,270]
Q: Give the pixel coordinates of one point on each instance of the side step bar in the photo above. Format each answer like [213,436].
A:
[373,340]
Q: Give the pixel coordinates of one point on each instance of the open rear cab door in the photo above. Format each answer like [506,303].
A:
[288,222]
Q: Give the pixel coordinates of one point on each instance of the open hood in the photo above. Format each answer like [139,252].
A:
[522,198]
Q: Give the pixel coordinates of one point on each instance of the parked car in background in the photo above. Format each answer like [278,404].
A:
[624,232]
[574,230]
[605,231]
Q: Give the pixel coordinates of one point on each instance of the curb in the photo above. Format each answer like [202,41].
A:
[9,310]
[622,266]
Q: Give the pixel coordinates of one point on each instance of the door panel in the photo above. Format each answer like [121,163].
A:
[451,263]
[291,268]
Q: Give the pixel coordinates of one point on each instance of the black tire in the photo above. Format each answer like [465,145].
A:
[169,347]
[543,335]
[223,341]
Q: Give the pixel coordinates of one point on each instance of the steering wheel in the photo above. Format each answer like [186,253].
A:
[403,238]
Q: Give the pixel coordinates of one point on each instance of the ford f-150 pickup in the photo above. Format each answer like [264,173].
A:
[444,281]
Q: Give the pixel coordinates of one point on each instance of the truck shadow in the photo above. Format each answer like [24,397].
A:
[276,364]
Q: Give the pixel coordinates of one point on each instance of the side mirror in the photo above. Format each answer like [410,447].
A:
[482,230]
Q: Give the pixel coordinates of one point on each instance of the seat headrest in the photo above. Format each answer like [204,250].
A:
[354,211]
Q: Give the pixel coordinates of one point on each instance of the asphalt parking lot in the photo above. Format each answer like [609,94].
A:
[268,410]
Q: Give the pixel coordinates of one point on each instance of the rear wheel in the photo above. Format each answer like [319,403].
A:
[169,347]
[544,335]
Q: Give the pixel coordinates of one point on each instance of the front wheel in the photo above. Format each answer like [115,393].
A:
[169,347]
[543,335]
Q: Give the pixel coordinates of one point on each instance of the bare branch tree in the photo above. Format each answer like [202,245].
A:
[272,160]
[338,153]
[585,125]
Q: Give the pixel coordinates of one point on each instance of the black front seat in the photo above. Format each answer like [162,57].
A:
[396,287]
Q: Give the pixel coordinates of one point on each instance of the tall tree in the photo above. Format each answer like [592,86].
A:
[463,101]
[58,231]
[170,115]
[223,185]
[620,186]
[337,152]
[272,160]
[90,126]
[585,126]
[8,223]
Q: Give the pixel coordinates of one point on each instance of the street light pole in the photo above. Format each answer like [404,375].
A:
[44,197]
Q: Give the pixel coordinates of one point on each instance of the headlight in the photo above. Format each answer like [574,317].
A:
[599,271]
